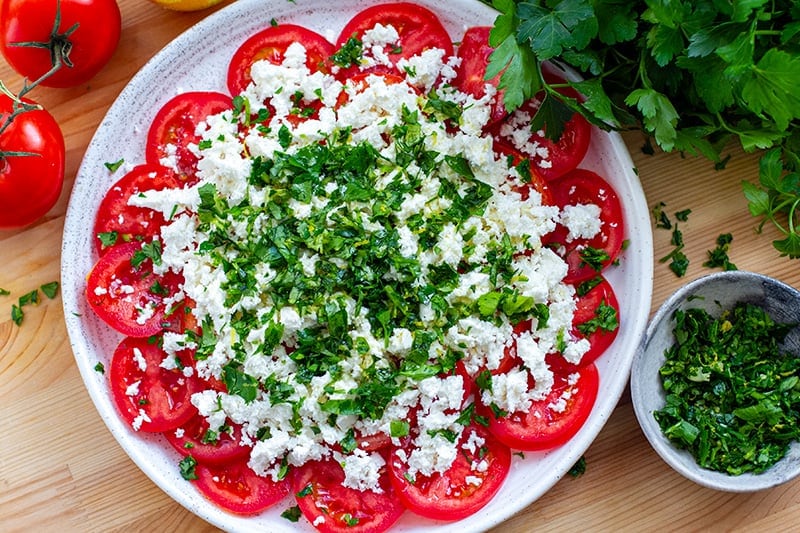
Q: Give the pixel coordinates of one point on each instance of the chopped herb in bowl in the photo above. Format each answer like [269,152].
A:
[733,394]
[715,383]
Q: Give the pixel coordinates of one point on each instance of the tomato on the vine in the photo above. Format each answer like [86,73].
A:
[31,164]
[84,33]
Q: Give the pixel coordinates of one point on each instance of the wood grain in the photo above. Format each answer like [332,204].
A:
[61,470]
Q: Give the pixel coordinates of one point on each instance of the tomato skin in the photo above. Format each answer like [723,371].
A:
[175,126]
[474,52]
[236,488]
[115,215]
[582,186]
[418,28]
[29,185]
[319,491]
[541,427]
[163,395]
[271,44]
[93,42]
[450,495]
[117,292]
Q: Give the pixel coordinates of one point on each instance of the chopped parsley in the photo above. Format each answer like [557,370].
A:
[187,467]
[112,167]
[350,53]
[732,392]
[292,514]
[718,257]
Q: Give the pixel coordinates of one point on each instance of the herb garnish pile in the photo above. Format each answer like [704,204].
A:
[693,75]
[733,396]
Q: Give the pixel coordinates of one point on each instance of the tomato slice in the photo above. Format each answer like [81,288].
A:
[114,215]
[532,179]
[270,44]
[553,421]
[474,52]
[147,395]
[586,187]
[217,447]
[551,159]
[471,482]
[236,488]
[131,298]
[418,29]
[174,128]
[598,303]
[333,508]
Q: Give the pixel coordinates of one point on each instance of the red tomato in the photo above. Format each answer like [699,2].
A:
[532,179]
[419,29]
[130,298]
[115,215]
[29,184]
[271,44]
[173,129]
[218,448]
[586,187]
[236,488]
[474,52]
[460,491]
[146,393]
[318,488]
[562,155]
[88,34]
[599,297]
[546,426]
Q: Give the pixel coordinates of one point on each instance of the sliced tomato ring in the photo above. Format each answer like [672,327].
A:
[550,158]
[471,482]
[174,130]
[149,396]
[553,421]
[207,446]
[236,488]
[474,52]
[531,178]
[115,216]
[586,257]
[270,45]
[123,291]
[596,319]
[418,30]
[332,507]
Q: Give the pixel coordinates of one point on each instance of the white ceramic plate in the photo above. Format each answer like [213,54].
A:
[197,60]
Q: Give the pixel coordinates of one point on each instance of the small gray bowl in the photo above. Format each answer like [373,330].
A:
[712,293]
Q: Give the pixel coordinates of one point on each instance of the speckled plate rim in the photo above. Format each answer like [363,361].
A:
[647,394]
[197,60]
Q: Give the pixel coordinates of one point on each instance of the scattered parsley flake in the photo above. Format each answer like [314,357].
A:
[187,467]
[50,289]
[292,514]
[113,167]
[579,468]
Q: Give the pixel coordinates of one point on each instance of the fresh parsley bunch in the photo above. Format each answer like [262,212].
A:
[693,75]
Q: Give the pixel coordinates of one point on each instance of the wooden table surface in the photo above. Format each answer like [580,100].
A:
[61,470]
